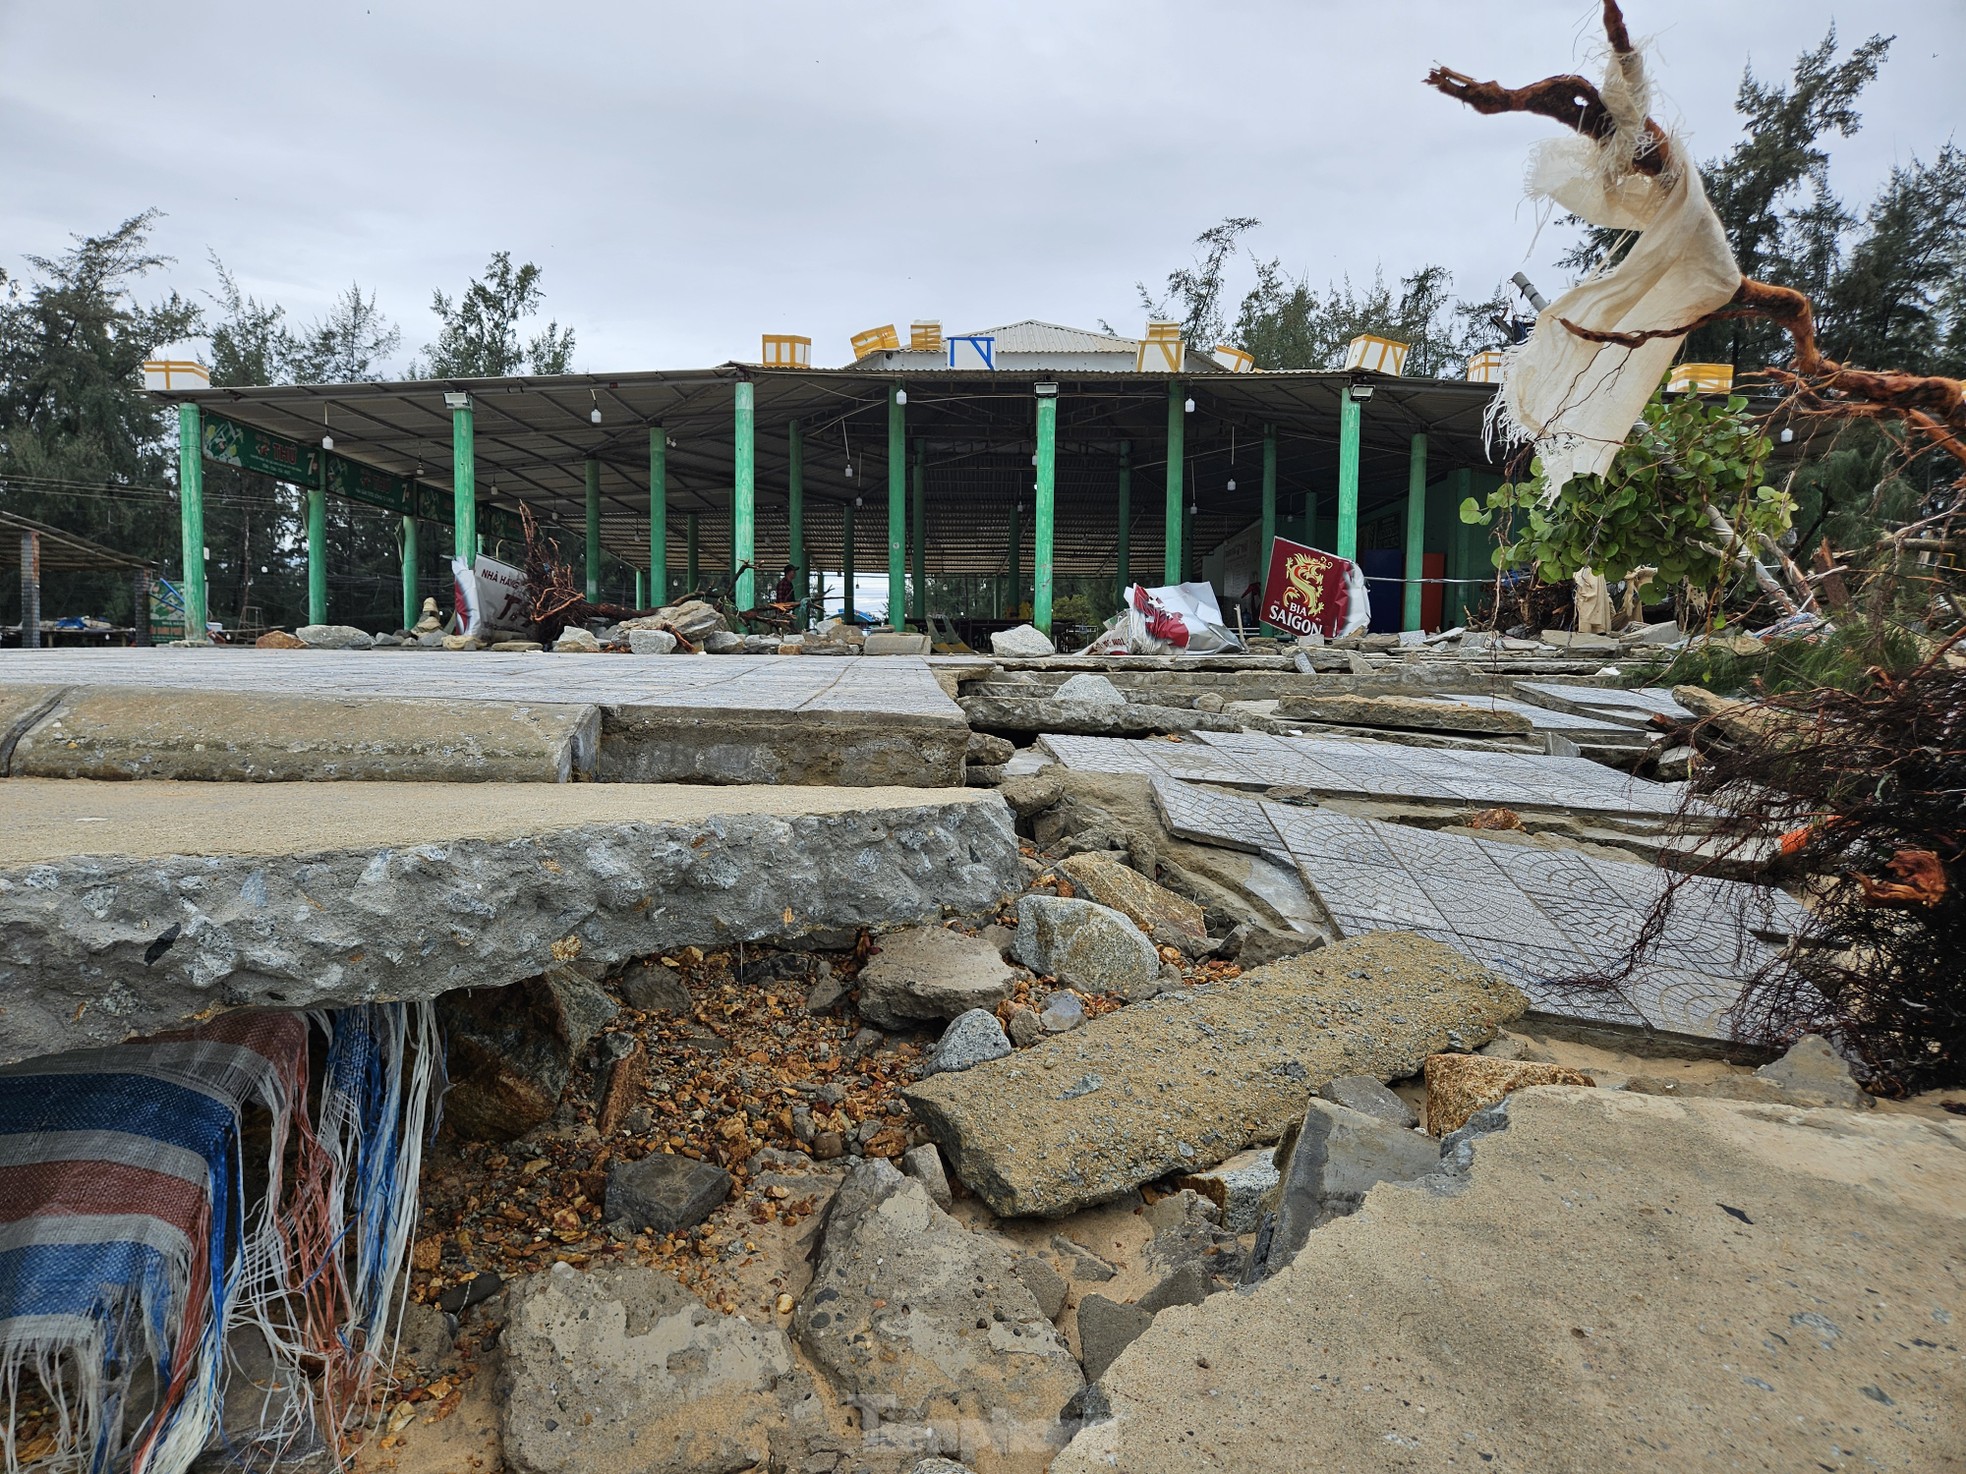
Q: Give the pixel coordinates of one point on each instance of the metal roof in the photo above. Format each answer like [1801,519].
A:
[61,552]
[977,429]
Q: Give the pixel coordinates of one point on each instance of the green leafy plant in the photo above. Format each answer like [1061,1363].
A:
[1683,459]
[1074,609]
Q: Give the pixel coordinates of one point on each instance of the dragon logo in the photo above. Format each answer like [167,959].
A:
[1302,585]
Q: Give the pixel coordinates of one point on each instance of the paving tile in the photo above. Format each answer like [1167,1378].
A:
[1211,816]
[898,685]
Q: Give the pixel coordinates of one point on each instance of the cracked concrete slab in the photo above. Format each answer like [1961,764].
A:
[1464,778]
[1623,1283]
[131,907]
[418,714]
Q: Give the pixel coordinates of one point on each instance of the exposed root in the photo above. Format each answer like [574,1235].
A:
[1933,405]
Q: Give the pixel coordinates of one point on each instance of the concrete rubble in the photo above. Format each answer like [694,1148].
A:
[621,1370]
[900,1292]
[118,917]
[992,1064]
[930,972]
[1182,1083]
[1621,1282]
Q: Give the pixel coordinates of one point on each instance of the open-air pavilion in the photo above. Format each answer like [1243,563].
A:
[984,488]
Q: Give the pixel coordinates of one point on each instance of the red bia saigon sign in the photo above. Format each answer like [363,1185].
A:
[1306,590]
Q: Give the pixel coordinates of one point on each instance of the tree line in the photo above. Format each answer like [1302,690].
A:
[84,448]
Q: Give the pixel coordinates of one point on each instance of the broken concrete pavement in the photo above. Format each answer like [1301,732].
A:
[1182,1083]
[1621,1282]
[135,906]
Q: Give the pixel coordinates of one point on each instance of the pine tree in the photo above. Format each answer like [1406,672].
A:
[478,334]
[81,445]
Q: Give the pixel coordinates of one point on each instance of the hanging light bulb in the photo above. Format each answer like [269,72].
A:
[1788,434]
[901,396]
[1189,407]
[1232,483]
[327,440]
[849,473]
[594,414]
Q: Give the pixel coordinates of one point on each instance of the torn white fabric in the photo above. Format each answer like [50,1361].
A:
[1575,399]
[1173,617]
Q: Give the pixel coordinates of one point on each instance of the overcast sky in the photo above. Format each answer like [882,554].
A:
[691,175]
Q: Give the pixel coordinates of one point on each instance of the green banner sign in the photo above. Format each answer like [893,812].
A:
[232,444]
[361,483]
[229,443]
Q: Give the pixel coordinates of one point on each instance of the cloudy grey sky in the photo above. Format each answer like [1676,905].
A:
[690,175]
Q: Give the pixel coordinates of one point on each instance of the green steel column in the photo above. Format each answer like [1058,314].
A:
[919,535]
[317,547]
[1047,490]
[1191,569]
[694,568]
[1269,512]
[744,496]
[593,470]
[1350,412]
[1016,557]
[412,606]
[191,517]
[1416,530]
[464,480]
[1124,551]
[846,566]
[897,508]
[1177,506]
[641,589]
[658,515]
[795,511]
[1465,558]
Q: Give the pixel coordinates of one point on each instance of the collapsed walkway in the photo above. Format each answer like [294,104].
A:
[268,715]
[1074,990]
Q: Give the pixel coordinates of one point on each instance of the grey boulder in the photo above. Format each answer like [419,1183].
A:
[511,1049]
[1812,1073]
[973,1039]
[664,1194]
[1337,1157]
[649,987]
[1022,642]
[927,1327]
[333,637]
[1106,1328]
[1365,1094]
[930,972]
[1090,687]
[924,1164]
[1087,946]
[650,642]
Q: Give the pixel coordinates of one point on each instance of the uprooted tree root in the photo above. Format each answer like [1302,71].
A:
[1934,406]
[1867,791]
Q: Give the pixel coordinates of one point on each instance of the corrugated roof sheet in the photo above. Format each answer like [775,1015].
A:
[1033,336]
